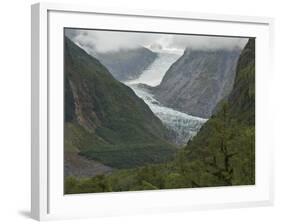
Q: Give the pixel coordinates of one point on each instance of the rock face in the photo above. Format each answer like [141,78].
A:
[104,119]
[242,97]
[221,154]
[127,64]
[226,142]
[198,80]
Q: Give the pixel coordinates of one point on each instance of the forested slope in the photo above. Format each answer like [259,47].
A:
[222,153]
[105,120]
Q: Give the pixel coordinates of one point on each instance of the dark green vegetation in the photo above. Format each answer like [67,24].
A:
[226,143]
[105,120]
[222,153]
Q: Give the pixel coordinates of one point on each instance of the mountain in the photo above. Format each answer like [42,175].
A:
[105,120]
[221,154]
[242,97]
[198,80]
[127,64]
[226,142]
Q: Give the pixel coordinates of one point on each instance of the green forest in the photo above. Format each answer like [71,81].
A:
[221,154]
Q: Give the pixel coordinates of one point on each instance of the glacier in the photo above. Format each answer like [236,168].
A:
[154,74]
[181,126]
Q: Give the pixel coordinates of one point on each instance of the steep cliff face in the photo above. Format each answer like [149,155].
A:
[221,154]
[104,119]
[226,143]
[198,80]
[127,64]
[242,97]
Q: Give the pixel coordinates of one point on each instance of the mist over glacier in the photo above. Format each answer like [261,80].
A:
[154,74]
[169,48]
[181,126]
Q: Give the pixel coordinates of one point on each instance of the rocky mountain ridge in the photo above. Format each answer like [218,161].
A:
[198,80]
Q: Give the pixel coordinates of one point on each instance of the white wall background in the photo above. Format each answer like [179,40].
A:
[15,111]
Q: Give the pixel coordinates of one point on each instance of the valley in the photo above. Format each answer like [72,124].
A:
[181,126]
[151,117]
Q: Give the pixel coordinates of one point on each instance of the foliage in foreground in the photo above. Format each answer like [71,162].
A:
[222,154]
[228,161]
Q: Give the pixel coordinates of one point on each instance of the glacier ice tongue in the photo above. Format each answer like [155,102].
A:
[182,127]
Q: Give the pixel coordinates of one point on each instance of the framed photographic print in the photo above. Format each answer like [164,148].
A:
[147,111]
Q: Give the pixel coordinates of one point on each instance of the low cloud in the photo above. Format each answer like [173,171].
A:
[103,41]
[208,42]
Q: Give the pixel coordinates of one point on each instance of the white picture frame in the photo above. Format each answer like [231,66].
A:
[48,201]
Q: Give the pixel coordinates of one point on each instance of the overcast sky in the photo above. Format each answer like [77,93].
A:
[103,41]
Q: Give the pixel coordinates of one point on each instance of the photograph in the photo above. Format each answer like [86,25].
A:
[157,111]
